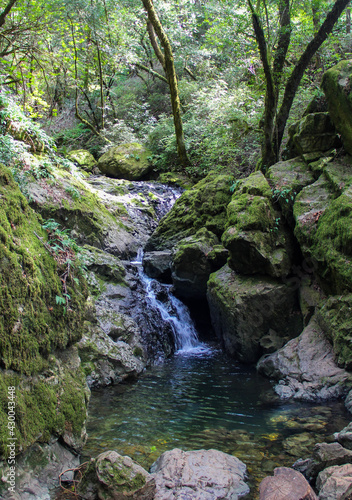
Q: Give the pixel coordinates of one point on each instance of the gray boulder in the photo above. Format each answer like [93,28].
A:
[305,368]
[199,474]
[157,265]
[248,312]
[193,259]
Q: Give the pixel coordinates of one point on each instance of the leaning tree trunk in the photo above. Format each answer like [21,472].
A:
[169,67]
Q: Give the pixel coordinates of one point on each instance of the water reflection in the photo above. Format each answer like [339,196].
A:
[207,401]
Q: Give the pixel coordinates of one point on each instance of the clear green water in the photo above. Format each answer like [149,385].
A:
[207,401]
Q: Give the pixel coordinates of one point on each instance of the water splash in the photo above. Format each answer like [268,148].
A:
[172,311]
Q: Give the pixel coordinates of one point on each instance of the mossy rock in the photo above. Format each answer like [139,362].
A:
[112,475]
[336,84]
[314,132]
[309,206]
[32,324]
[74,206]
[204,205]
[288,178]
[83,158]
[255,237]
[127,161]
[53,402]
[335,318]
[255,184]
[332,245]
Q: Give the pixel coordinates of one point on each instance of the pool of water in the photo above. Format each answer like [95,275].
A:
[201,399]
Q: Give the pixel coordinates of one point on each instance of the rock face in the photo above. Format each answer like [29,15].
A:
[201,474]
[305,368]
[127,161]
[116,477]
[249,313]
[83,158]
[286,484]
[255,237]
[193,259]
[314,132]
[335,483]
[204,205]
[337,87]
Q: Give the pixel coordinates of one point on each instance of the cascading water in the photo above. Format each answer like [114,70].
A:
[172,311]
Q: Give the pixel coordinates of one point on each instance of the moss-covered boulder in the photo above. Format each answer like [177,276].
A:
[50,388]
[51,403]
[336,84]
[246,310]
[204,205]
[314,132]
[309,206]
[331,244]
[335,320]
[113,476]
[288,178]
[75,205]
[255,235]
[83,158]
[127,161]
[193,260]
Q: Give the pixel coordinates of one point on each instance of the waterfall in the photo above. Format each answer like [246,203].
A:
[172,311]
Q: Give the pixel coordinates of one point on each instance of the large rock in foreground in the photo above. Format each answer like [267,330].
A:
[200,474]
[286,484]
[252,315]
[306,368]
[337,87]
[113,476]
[127,161]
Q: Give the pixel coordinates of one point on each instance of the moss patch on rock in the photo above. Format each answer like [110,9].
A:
[127,161]
[335,320]
[32,324]
[332,246]
[336,84]
[53,402]
[204,205]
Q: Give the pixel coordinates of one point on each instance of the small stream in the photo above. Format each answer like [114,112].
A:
[200,398]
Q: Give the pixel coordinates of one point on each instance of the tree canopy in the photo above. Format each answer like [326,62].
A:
[91,73]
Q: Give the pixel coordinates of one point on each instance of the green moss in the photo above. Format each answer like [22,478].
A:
[45,405]
[332,246]
[335,319]
[248,212]
[255,184]
[31,323]
[336,84]
[204,205]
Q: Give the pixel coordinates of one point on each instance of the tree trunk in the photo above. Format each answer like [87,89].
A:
[169,67]
[6,11]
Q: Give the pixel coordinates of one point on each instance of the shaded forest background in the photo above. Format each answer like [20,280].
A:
[86,71]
